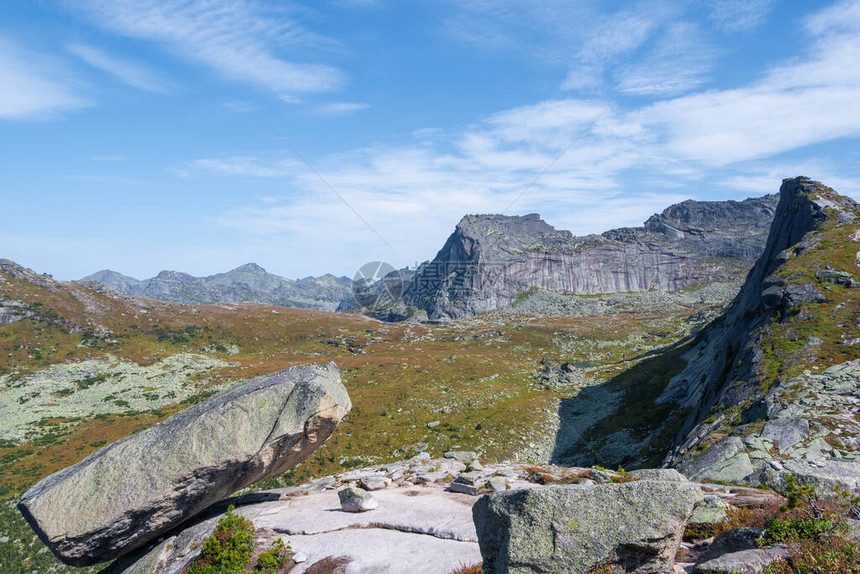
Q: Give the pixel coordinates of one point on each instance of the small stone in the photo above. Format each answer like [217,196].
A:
[469,477]
[498,483]
[598,476]
[711,509]
[464,488]
[432,425]
[397,474]
[374,483]
[474,465]
[356,500]
[461,455]
[322,483]
[300,557]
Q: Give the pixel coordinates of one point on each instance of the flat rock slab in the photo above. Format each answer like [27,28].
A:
[394,552]
[419,509]
[415,529]
[132,491]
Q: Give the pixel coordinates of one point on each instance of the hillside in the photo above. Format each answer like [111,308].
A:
[248,283]
[775,378]
[82,367]
[490,260]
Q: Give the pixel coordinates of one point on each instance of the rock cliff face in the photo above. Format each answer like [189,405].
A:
[247,283]
[747,381]
[490,259]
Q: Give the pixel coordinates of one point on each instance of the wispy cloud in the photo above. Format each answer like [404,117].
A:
[678,62]
[633,162]
[237,39]
[339,108]
[734,15]
[126,71]
[33,86]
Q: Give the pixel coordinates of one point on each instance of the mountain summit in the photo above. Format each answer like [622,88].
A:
[491,259]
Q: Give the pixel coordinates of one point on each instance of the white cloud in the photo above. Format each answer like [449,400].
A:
[631,163]
[679,62]
[126,71]
[238,166]
[235,38]
[338,108]
[735,15]
[33,86]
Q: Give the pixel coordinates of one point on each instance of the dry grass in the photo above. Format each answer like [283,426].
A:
[469,569]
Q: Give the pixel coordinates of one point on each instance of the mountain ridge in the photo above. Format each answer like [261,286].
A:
[490,259]
[249,282]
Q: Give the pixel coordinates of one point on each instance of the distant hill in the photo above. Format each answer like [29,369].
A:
[247,283]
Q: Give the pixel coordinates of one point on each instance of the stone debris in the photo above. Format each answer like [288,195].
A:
[356,500]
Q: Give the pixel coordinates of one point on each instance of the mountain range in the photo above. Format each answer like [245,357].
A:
[247,283]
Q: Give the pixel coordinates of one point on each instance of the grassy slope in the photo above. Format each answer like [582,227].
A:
[476,377]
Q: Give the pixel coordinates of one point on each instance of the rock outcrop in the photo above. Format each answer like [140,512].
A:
[138,488]
[635,526]
[247,283]
[748,382]
[490,259]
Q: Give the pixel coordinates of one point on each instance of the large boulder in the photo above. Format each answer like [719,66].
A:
[828,477]
[636,526]
[136,489]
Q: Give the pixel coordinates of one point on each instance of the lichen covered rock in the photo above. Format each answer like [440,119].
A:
[636,526]
[134,490]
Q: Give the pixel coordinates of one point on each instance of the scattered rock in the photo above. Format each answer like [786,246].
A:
[730,541]
[823,475]
[474,466]
[356,500]
[498,483]
[322,483]
[751,561]
[433,424]
[461,455]
[374,483]
[464,488]
[571,529]
[667,474]
[136,489]
[711,509]
[599,476]
[469,477]
[723,460]
[300,557]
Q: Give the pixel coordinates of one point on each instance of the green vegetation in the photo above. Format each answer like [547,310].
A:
[230,548]
[637,413]
[783,530]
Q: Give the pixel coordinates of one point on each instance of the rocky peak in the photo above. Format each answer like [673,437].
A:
[786,319]
[490,259]
[249,268]
[174,277]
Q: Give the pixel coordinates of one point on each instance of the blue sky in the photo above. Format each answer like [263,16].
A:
[135,135]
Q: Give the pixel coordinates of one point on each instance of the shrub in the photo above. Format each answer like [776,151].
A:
[782,530]
[228,549]
[819,557]
[271,560]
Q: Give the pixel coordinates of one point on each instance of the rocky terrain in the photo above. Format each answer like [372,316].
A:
[743,394]
[247,283]
[490,260]
[762,392]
